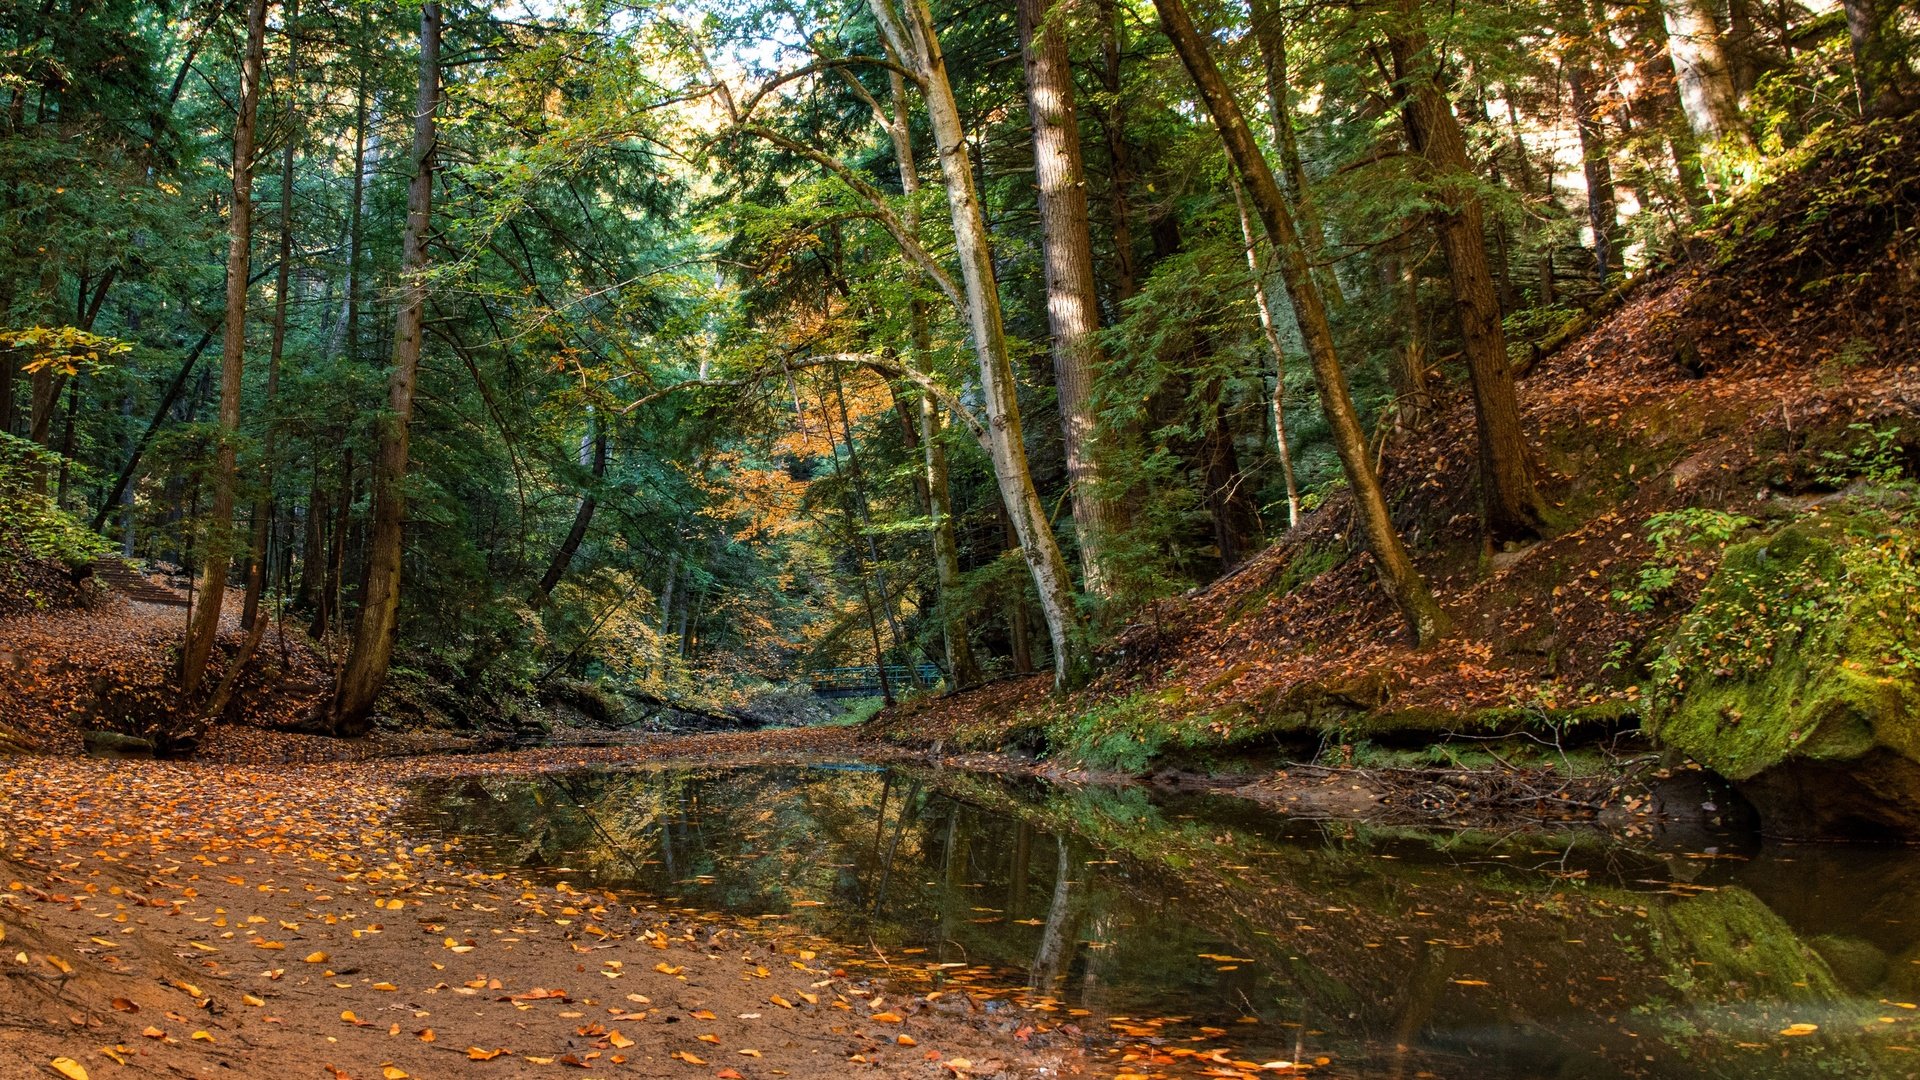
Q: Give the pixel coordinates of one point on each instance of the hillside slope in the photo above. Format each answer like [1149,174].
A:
[1771,378]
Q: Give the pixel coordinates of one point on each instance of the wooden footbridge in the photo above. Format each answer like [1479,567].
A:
[864,680]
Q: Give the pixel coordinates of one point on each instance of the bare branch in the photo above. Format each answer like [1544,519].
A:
[835,63]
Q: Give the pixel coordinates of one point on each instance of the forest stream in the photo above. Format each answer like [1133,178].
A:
[914,540]
[1179,922]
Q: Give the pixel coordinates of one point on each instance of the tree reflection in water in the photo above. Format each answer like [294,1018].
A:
[1540,954]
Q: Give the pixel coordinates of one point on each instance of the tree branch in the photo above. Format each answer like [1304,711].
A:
[834,63]
[875,198]
[873,362]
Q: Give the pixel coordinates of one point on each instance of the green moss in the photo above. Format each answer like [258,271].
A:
[1728,944]
[1123,734]
[1308,564]
[1804,644]
[1857,964]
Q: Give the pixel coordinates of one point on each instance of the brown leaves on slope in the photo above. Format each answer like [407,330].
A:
[112,667]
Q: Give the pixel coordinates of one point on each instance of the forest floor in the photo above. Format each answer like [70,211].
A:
[186,919]
[110,663]
[58,667]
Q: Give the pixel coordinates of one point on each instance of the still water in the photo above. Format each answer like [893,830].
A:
[1388,952]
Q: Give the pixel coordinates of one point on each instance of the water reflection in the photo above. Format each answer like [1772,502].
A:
[1388,952]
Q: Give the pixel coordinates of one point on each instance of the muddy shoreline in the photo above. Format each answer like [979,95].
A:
[1639,795]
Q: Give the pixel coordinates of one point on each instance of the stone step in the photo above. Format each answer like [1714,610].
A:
[129,582]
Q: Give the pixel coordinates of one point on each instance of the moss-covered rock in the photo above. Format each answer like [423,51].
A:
[1857,964]
[1797,676]
[1725,945]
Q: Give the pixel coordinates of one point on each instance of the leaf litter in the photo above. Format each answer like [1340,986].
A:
[152,889]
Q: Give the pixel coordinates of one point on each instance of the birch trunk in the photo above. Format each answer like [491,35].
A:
[962,669]
[1268,330]
[1702,75]
[910,34]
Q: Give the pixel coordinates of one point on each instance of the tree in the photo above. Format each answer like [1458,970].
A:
[1270,35]
[1700,67]
[909,35]
[1883,74]
[208,601]
[1278,407]
[1511,508]
[263,506]
[1073,307]
[366,668]
[1596,159]
[961,666]
[1391,559]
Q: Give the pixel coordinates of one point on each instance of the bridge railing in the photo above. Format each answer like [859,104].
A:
[867,676]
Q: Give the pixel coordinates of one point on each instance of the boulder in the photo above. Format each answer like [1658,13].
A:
[1795,676]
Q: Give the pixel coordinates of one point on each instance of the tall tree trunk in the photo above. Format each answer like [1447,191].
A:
[43,395]
[850,484]
[1882,75]
[1270,36]
[66,441]
[1119,155]
[343,523]
[666,593]
[1073,306]
[313,547]
[962,670]
[1596,162]
[1236,520]
[233,357]
[858,489]
[1391,560]
[346,335]
[9,373]
[1013,605]
[1278,404]
[1745,64]
[909,33]
[582,518]
[1511,508]
[1704,80]
[366,668]
[1402,273]
[263,507]
[9,364]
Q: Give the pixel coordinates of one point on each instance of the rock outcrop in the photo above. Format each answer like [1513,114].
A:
[1797,677]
